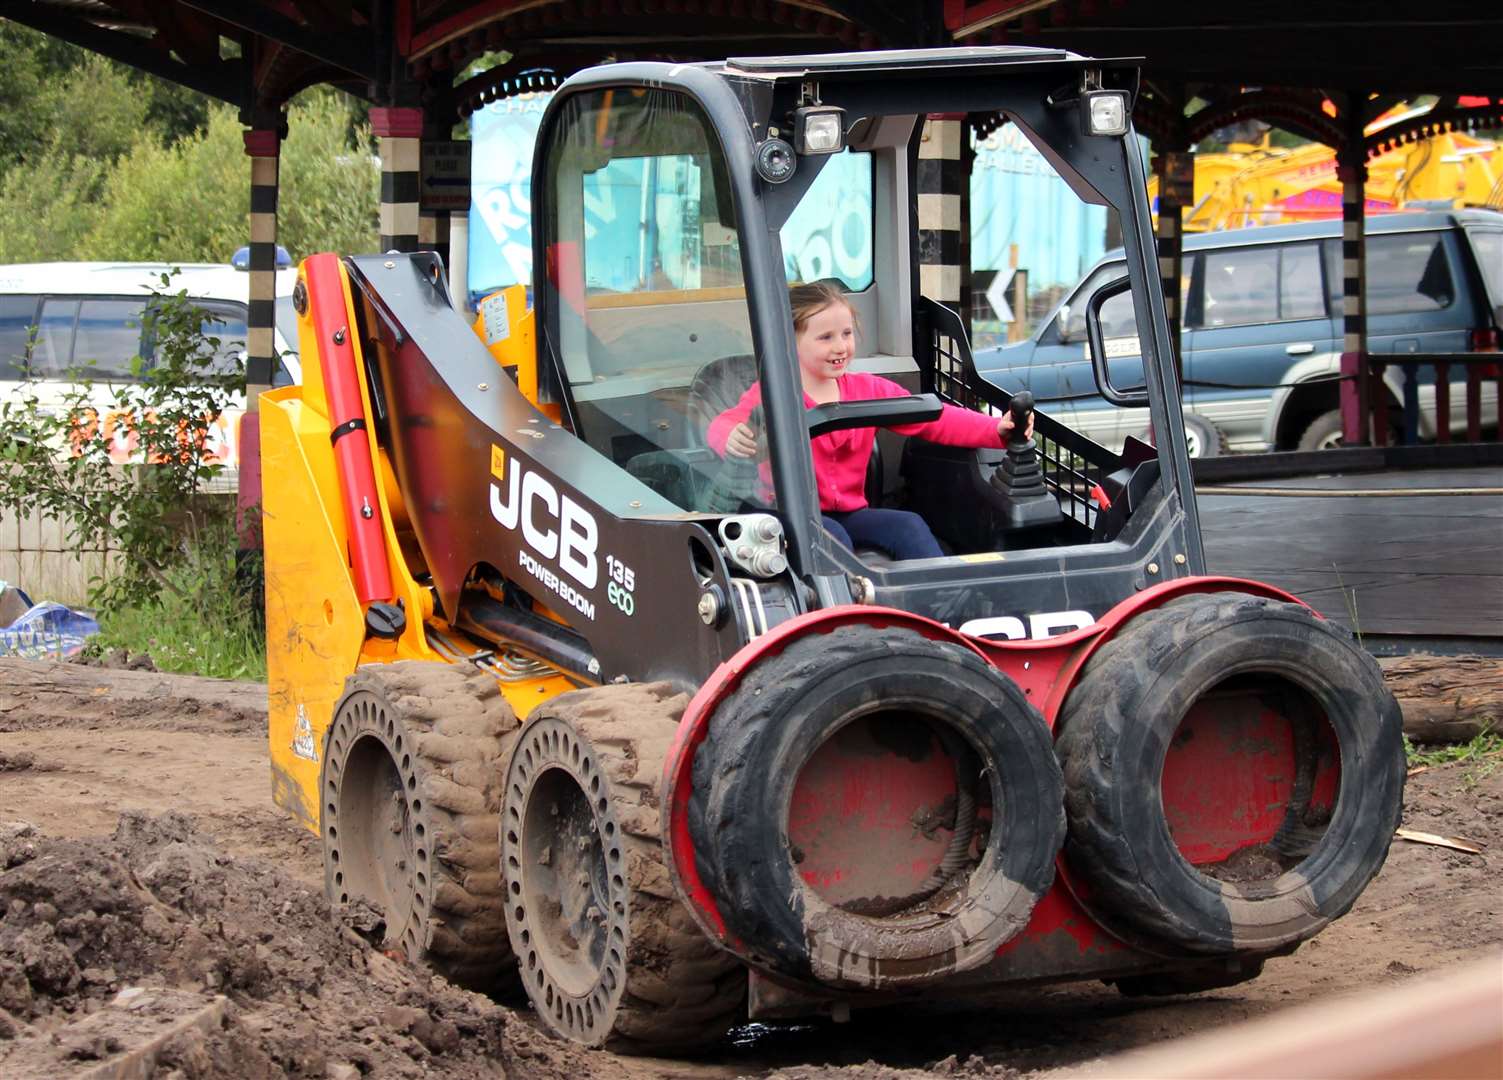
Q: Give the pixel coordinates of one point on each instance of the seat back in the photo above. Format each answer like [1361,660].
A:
[719,384]
[715,388]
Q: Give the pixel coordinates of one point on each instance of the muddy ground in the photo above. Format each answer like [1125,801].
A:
[148,886]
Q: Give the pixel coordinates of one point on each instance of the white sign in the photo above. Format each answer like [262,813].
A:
[445,176]
[996,295]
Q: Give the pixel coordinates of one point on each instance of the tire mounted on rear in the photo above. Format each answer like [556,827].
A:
[767,732]
[1123,720]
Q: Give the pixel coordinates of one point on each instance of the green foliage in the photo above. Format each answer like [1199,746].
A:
[50,203]
[58,458]
[187,202]
[330,179]
[97,179]
[42,222]
[1482,755]
[51,90]
[94,111]
[218,633]
[191,201]
[31,59]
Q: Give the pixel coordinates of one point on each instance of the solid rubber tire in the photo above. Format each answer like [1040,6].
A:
[744,774]
[1113,733]
[667,987]
[444,730]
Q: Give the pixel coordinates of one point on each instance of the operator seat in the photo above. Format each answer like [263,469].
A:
[719,384]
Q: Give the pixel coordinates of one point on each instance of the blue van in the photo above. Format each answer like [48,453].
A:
[1262,330]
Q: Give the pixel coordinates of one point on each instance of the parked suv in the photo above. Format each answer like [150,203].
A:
[60,320]
[1262,334]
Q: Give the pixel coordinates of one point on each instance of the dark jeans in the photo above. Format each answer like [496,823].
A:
[900,533]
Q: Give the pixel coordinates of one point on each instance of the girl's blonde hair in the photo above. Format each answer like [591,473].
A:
[809,300]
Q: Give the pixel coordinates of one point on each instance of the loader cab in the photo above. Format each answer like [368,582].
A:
[672,207]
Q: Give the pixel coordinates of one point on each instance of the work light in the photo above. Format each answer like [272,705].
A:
[819,129]
[1104,112]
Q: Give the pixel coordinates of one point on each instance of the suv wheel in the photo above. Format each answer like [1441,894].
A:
[1324,432]
[1203,439]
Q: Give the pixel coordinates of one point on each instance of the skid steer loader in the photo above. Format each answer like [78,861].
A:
[575,704]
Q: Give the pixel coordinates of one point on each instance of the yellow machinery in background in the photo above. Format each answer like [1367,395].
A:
[1260,184]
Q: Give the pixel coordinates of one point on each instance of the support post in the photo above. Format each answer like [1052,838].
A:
[941,186]
[1176,172]
[1357,404]
[263,145]
[399,133]
[433,225]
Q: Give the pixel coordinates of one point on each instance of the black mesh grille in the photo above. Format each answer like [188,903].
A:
[1072,464]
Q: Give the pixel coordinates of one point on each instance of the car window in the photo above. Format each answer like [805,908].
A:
[1330,251]
[1300,292]
[52,352]
[18,314]
[226,322]
[1408,272]
[108,340]
[1240,286]
[1488,247]
[1117,316]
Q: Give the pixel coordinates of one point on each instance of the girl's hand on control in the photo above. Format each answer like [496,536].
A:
[741,442]
[1005,426]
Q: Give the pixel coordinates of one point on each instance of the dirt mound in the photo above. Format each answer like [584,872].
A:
[37,695]
[103,943]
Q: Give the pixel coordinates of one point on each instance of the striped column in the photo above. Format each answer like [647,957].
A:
[1176,189]
[941,188]
[1356,393]
[399,133]
[263,146]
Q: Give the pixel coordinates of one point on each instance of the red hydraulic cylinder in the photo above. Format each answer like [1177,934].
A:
[351,441]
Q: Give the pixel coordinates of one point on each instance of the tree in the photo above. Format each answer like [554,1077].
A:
[190,202]
[43,74]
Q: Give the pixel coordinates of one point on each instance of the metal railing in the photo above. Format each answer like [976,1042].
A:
[1481,367]
[1072,464]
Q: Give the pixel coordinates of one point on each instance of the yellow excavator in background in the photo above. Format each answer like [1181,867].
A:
[1261,184]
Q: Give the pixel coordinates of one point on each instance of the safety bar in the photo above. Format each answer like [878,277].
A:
[1480,367]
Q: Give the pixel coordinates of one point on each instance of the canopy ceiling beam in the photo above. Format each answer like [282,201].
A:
[224,79]
[351,50]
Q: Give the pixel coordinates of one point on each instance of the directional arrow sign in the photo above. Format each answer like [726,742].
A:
[996,295]
[446,176]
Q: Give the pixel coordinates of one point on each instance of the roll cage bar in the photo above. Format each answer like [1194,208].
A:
[1035,88]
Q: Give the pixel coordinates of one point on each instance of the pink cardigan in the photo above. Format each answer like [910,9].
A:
[840,457]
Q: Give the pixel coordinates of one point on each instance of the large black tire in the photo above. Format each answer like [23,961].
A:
[607,953]
[764,733]
[410,796]
[1113,737]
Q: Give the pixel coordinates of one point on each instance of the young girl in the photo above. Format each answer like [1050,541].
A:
[824,325]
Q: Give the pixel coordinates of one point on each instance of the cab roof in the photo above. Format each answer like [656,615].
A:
[951,61]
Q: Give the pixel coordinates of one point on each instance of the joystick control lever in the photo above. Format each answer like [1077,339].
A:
[1026,502]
